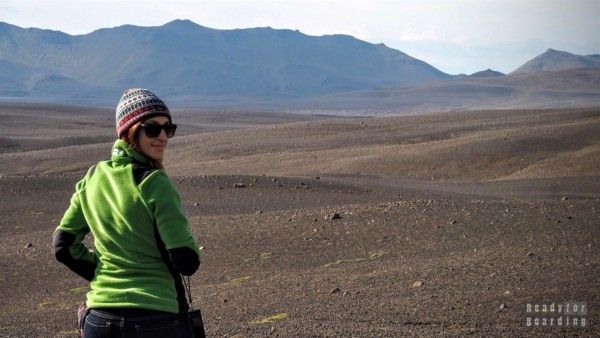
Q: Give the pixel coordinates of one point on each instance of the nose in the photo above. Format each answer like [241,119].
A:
[163,135]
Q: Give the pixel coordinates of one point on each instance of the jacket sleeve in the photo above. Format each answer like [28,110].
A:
[164,203]
[67,241]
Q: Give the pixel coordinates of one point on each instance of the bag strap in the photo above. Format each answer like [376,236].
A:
[188,290]
[188,285]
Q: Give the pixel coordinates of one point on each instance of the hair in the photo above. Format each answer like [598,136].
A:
[130,136]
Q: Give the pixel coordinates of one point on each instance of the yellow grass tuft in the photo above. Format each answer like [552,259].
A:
[270,319]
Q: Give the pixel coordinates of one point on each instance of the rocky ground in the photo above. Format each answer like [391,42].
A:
[435,225]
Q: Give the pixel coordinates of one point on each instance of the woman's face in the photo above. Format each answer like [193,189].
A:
[153,148]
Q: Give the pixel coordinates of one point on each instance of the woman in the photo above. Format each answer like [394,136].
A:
[141,237]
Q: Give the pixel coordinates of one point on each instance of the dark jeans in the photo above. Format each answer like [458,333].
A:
[99,323]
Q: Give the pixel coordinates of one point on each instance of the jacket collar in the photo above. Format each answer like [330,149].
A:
[122,152]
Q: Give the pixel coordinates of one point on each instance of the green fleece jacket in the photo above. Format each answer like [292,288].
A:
[128,222]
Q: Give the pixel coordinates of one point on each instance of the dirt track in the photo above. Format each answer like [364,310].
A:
[521,228]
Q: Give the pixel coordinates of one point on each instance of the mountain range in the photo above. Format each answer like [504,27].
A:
[193,65]
[185,58]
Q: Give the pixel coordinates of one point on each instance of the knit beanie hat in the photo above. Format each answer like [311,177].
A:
[138,104]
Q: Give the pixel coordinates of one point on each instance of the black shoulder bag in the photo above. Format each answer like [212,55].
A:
[195,316]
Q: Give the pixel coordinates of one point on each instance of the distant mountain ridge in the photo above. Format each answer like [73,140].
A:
[191,65]
[555,60]
[544,89]
[486,73]
[184,58]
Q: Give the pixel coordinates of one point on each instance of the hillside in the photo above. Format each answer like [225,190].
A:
[548,89]
[486,73]
[555,60]
[446,225]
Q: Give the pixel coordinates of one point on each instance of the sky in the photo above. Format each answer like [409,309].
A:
[454,36]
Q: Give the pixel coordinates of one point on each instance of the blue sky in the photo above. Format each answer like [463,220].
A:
[454,36]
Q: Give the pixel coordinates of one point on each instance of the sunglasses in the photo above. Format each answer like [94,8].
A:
[153,130]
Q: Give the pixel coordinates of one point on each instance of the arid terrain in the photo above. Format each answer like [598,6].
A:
[449,223]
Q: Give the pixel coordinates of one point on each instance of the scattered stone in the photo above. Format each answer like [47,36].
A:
[345,293]
[259,212]
[29,245]
[196,204]
[530,254]
[239,185]
[317,178]
[417,284]
[453,222]
[333,216]
[336,290]
[503,306]
[564,198]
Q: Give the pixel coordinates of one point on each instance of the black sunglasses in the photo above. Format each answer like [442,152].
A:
[153,130]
